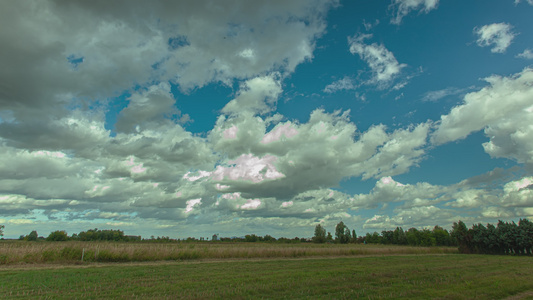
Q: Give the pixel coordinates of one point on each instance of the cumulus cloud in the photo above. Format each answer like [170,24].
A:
[345,83]
[527,54]
[402,8]
[301,157]
[381,61]
[502,108]
[497,35]
[528,1]
[147,108]
[59,52]
[256,95]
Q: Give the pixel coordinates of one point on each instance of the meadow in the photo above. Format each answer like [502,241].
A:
[419,276]
[242,270]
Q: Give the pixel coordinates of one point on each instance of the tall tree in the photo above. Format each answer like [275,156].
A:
[2,230]
[342,233]
[463,237]
[32,236]
[320,234]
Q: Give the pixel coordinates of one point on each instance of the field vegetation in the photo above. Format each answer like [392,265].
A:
[75,252]
[453,276]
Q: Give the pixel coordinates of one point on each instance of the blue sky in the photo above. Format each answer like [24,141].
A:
[269,117]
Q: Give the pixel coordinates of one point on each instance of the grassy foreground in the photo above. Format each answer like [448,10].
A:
[395,277]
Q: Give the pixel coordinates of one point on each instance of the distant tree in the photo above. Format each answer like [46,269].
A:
[250,238]
[320,234]
[2,230]
[354,237]
[342,233]
[269,238]
[387,237]
[426,238]
[413,236]
[58,235]
[102,235]
[442,237]
[329,238]
[526,235]
[32,236]
[463,237]
[373,238]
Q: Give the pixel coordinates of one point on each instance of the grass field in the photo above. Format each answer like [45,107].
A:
[451,276]
[19,252]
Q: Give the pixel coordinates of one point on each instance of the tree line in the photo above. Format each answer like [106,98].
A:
[118,236]
[89,235]
[504,238]
[413,237]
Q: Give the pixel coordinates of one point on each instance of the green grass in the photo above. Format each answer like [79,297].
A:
[394,277]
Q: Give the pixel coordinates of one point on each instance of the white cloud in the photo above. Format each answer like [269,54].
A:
[251,204]
[147,108]
[191,204]
[527,54]
[256,95]
[402,150]
[345,83]
[249,168]
[497,35]
[319,153]
[381,61]
[286,130]
[528,1]
[434,96]
[402,8]
[86,51]
[502,108]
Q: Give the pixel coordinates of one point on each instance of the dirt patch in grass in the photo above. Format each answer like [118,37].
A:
[524,295]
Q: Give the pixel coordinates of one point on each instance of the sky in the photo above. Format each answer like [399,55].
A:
[194,118]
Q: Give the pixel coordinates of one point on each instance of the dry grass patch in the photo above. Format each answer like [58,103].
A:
[17,252]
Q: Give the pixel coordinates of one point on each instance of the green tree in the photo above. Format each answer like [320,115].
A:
[426,238]
[342,233]
[463,237]
[354,237]
[320,234]
[387,237]
[442,237]
[329,237]
[32,236]
[251,238]
[57,236]
[2,230]
[413,236]
[373,238]
[526,235]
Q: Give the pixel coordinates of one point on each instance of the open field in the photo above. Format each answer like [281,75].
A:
[453,276]
[19,252]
